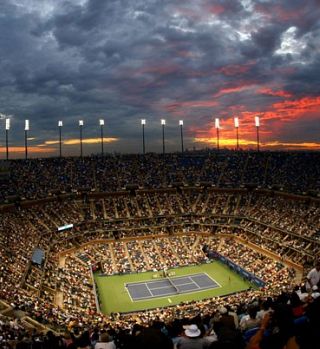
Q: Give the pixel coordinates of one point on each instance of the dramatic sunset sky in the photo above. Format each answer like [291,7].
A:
[123,60]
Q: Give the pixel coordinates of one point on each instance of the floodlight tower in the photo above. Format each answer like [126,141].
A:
[101,123]
[60,124]
[163,124]
[217,125]
[181,135]
[7,138]
[257,122]
[80,129]
[26,129]
[143,123]
[236,125]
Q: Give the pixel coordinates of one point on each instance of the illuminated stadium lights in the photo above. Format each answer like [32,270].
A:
[257,123]
[143,122]
[7,137]
[236,125]
[163,123]
[101,123]
[7,124]
[26,129]
[60,124]
[181,134]
[80,128]
[217,126]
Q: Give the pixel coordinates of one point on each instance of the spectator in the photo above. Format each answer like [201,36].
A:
[192,338]
[313,277]
[105,342]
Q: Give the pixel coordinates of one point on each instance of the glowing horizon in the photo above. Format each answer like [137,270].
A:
[190,61]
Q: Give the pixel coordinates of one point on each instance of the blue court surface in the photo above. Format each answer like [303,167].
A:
[170,286]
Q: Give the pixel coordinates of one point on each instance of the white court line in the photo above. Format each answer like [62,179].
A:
[195,283]
[140,283]
[148,281]
[174,294]
[188,283]
[163,279]
[163,295]
[212,279]
[189,276]
[129,294]
[151,294]
[159,288]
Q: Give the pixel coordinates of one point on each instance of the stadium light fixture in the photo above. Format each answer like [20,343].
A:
[7,124]
[163,123]
[80,129]
[217,126]
[236,125]
[60,124]
[101,123]
[26,129]
[143,123]
[7,137]
[257,123]
[181,135]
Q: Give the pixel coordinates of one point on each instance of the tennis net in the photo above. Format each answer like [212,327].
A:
[172,283]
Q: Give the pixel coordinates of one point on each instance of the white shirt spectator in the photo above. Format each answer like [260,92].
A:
[313,277]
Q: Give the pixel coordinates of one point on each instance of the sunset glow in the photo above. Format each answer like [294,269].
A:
[191,61]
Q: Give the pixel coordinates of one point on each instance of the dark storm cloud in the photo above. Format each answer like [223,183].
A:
[123,60]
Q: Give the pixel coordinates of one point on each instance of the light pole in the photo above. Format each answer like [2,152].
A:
[181,135]
[80,129]
[217,125]
[143,123]
[7,138]
[257,122]
[60,124]
[236,125]
[101,123]
[163,123]
[26,129]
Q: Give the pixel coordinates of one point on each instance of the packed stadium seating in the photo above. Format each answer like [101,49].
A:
[132,214]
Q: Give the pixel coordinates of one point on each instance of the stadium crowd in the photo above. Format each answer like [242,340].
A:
[138,230]
[38,178]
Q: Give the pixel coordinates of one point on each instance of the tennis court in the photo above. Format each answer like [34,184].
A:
[170,286]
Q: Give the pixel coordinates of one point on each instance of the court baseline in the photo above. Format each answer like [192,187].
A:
[176,285]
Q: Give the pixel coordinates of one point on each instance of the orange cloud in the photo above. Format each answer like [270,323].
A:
[87,141]
[247,143]
[236,69]
[233,89]
[298,106]
[279,93]
[34,149]
[272,123]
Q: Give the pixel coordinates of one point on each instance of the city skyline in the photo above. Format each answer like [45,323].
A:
[123,61]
